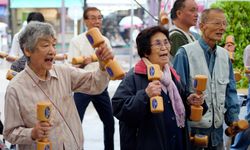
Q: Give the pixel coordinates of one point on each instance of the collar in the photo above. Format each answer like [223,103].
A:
[206,48]
[51,74]
[190,37]
[141,68]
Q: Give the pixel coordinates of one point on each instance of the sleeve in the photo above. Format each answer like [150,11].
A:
[231,102]
[15,47]
[14,128]
[246,56]
[74,49]
[181,66]
[88,82]
[176,42]
[130,105]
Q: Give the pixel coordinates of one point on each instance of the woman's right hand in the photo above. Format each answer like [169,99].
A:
[153,88]
[41,130]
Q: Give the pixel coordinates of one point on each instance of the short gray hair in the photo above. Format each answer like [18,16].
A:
[206,12]
[34,31]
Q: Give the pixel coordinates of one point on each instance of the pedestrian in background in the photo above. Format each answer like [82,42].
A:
[15,49]
[184,15]
[80,46]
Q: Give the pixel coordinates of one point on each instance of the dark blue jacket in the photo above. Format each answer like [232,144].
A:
[139,128]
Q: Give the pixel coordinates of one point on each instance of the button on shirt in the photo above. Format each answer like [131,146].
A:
[23,94]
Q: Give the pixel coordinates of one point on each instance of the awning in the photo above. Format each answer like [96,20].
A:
[44,4]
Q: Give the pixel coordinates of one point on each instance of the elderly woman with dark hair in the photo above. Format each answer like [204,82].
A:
[41,80]
[140,129]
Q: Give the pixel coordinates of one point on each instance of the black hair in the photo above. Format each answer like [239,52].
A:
[35,16]
[143,39]
[85,13]
[178,5]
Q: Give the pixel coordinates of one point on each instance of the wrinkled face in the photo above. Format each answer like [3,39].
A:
[94,19]
[214,27]
[189,14]
[41,59]
[160,48]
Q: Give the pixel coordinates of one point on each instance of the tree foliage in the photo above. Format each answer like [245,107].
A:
[238,19]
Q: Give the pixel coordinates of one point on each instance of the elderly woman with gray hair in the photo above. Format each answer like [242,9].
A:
[42,80]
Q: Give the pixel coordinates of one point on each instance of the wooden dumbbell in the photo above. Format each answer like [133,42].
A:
[114,70]
[156,102]
[236,127]
[44,115]
[163,18]
[200,83]
[199,140]
[61,57]
[11,74]
[77,60]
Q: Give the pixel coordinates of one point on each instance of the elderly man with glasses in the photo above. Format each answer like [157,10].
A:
[207,58]
[80,46]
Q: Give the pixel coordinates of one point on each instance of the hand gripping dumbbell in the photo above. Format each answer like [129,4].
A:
[44,115]
[236,127]
[156,102]
[80,59]
[200,83]
[112,67]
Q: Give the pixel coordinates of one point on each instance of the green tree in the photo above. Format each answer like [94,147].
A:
[238,19]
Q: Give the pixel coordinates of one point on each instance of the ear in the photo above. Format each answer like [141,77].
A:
[178,13]
[202,26]
[27,52]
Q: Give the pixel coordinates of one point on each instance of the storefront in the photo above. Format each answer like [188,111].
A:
[54,11]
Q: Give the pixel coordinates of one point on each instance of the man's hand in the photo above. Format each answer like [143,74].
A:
[195,99]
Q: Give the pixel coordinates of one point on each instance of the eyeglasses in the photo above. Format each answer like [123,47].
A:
[160,44]
[93,18]
[218,23]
